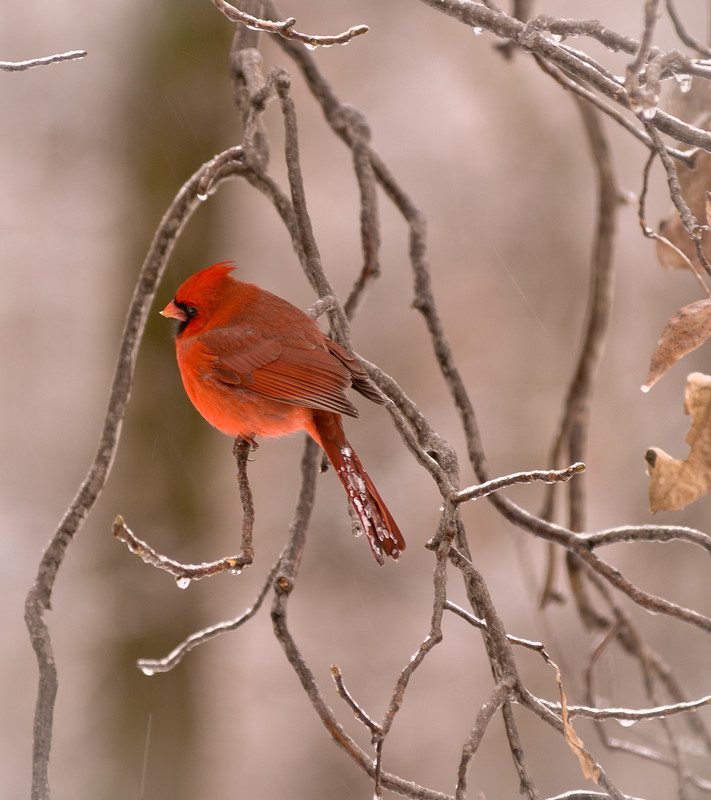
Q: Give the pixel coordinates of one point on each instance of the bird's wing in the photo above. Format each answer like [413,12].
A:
[360,380]
[294,371]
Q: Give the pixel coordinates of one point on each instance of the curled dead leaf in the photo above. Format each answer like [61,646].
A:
[686,330]
[575,743]
[674,483]
[590,769]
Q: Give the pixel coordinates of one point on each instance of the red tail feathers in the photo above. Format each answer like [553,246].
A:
[381,529]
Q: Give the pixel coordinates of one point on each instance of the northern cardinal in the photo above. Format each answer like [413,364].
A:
[255,365]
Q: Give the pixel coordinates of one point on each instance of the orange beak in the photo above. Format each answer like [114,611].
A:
[172,310]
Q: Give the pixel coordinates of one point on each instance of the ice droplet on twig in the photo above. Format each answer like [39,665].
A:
[147,671]
[684,82]
[182,582]
[627,723]
[477,31]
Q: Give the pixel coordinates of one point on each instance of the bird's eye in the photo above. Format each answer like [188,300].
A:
[191,311]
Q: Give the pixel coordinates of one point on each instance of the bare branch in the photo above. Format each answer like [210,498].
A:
[484,717]
[495,485]
[634,715]
[682,33]
[20,66]
[643,533]
[360,714]
[285,28]
[643,99]
[39,597]
[149,666]
[651,234]
[241,450]
[284,585]
[184,574]
[688,219]
[532,38]
[648,601]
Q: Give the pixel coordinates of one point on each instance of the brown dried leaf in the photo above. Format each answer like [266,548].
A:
[695,184]
[674,483]
[575,743]
[686,330]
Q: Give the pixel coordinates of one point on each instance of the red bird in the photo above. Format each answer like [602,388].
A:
[255,365]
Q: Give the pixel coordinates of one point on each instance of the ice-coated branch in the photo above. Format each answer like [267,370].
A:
[21,66]
[285,28]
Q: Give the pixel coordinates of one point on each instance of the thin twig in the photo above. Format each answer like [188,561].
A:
[616,115]
[634,715]
[434,636]
[624,632]
[688,220]
[285,28]
[683,34]
[369,218]
[531,37]
[646,600]
[501,659]
[360,714]
[496,484]
[150,666]
[184,574]
[311,260]
[590,712]
[241,450]
[484,717]
[643,99]
[644,533]
[572,431]
[20,66]
[652,234]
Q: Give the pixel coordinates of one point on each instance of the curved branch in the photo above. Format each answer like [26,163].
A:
[39,597]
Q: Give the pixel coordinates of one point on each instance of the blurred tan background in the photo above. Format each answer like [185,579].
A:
[91,153]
